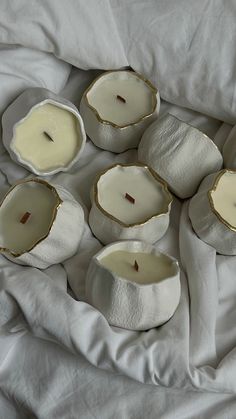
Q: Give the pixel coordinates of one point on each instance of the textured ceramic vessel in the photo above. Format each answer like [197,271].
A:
[109,135]
[181,154]
[64,233]
[21,108]
[128,304]
[108,228]
[206,220]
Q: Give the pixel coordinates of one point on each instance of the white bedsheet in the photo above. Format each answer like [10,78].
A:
[48,339]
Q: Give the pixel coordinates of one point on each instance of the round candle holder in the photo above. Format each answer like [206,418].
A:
[20,111]
[181,154]
[129,304]
[118,135]
[207,220]
[108,226]
[41,233]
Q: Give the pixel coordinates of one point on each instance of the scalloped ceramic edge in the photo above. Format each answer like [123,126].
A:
[21,108]
[64,233]
[128,304]
[181,154]
[108,135]
[207,222]
[107,228]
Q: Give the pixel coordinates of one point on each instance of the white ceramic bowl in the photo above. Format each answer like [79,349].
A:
[107,227]
[207,221]
[128,304]
[63,235]
[21,108]
[181,154]
[112,136]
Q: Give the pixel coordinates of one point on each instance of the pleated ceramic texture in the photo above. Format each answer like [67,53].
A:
[181,154]
[63,237]
[207,223]
[20,109]
[109,229]
[112,137]
[128,304]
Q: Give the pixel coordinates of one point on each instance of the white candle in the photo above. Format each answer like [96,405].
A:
[107,94]
[143,268]
[130,201]
[48,138]
[43,132]
[32,197]
[133,285]
[212,211]
[224,197]
[139,184]
[117,108]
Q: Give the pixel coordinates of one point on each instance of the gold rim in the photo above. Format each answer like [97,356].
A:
[215,184]
[155,176]
[59,202]
[104,121]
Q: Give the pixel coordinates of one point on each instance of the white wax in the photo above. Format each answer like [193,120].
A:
[152,268]
[150,199]
[34,147]
[224,197]
[138,95]
[32,197]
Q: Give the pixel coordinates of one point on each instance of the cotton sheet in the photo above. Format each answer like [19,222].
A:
[51,340]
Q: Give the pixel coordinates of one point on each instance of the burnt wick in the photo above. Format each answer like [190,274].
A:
[130,198]
[48,136]
[136,267]
[25,217]
[120,98]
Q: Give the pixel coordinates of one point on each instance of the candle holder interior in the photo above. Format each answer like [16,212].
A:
[221,183]
[49,210]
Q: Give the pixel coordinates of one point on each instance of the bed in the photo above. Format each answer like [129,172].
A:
[59,358]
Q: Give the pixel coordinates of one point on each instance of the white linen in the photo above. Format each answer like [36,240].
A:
[46,336]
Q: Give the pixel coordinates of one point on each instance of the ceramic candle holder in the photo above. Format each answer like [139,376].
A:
[116,109]
[43,132]
[212,211]
[129,201]
[40,224]
[181,154]
[229,150]
[134,285]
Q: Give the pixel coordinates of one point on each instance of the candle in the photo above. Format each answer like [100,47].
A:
[39,224]
[142,287]
[43,132]
[181,154]
[142,268]
[130,201]
[117,108]
[213,211]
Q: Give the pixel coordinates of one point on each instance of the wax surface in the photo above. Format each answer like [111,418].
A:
[224,197]
[31,197]
[150,199]
[138,95]
[152,268]
[34,147]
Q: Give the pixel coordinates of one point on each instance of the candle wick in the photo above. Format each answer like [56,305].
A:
[25,217]
[130,198]
[120,98]
[48,136]
[136,267]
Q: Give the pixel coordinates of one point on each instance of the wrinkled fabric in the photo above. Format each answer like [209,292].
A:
[58,355]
